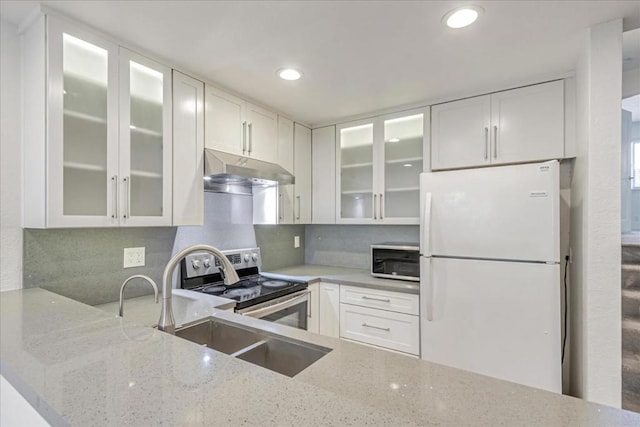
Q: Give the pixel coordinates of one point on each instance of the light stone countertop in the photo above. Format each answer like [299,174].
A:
[79,365]
[187,307]
[343,276]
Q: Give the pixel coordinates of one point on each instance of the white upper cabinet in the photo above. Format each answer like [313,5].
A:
[460,133]
[527,124]
[354,181]
[145,155]
[323,182]
[98,131]
[379,162]
[294,150]
[81,122]
[514,126]
[285,159]
[302,173]
[226,127]
[262,133]
[403,162]
[238,127]
[188,153]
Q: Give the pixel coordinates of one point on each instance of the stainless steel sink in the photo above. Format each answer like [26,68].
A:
[284,355]
[219,336]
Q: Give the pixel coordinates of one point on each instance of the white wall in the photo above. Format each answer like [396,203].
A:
[595,220]
[10,159]
[631,81]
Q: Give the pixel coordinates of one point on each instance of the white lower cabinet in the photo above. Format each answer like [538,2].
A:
[397,331]
[313,308]
[329,302]
[382,318]
[385,300]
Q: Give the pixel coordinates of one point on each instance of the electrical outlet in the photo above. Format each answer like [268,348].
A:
[296,241]
[133,257]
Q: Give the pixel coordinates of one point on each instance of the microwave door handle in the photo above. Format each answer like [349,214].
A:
[261,312]
[425,225]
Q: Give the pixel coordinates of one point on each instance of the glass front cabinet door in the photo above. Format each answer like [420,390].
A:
[145,141]
[109,133]
[379,162]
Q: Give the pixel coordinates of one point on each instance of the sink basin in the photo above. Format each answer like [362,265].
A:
[283,355]
[219,336]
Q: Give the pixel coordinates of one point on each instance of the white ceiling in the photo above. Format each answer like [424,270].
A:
[356,56]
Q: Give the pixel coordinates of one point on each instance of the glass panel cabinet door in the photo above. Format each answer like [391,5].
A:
[356,172]
[145,142]
[403,163]
[82,123]
[84,127]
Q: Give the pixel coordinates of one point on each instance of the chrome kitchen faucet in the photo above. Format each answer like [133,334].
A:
[137,276]
[167,322]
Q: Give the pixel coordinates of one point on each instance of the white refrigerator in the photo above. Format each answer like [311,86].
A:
[490,282]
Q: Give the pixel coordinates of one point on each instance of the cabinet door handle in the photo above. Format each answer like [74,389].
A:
[114,182]
[486,143]
[309,305]
[495,142]
[376,327]
[280,206]
[244,137]
[375,210]
[250,138]
[376,299]
[381,207]
[298,199]
[127,187]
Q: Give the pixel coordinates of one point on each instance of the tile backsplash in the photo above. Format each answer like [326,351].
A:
[348,245]
[276,244]
[87,264]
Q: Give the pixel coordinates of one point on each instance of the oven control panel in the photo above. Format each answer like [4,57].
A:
[202,264]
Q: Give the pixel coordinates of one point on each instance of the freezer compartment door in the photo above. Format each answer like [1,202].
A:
[506,212]
[500,319]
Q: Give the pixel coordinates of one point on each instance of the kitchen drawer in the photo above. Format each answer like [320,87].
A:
[386,300]
[396,331]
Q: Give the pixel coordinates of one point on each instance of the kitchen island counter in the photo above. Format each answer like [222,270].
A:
[343,276]
[81,366]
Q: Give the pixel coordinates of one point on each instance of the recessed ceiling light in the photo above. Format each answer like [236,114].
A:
[289,74]
[462,16]
[394,140]
[407,165]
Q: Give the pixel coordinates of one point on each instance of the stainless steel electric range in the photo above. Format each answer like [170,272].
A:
[279,301]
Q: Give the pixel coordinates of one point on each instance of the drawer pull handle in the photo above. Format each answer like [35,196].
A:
[376,327]
[376,299]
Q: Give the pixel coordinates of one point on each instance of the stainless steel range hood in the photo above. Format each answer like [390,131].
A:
[230,173]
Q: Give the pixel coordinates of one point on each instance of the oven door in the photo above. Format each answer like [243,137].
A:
[289,310]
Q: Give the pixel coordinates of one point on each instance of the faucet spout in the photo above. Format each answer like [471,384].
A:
[167,323]
[137,276]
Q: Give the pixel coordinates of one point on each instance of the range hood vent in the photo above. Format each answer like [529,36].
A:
[230,173]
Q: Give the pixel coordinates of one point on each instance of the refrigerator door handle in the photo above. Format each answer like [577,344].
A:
[425,224]
[426,290]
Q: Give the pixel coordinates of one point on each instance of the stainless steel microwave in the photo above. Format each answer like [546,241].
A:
[396,260]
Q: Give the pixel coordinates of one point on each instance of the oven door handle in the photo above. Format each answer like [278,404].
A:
[261,312]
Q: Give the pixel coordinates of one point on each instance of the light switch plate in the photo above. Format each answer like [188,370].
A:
[296,241]
[133,257]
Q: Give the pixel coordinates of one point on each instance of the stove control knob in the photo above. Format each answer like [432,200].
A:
[207,263]
[254,257]
[195,264]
